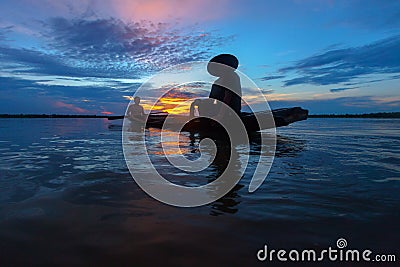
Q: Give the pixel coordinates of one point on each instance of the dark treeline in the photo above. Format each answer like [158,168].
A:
[382,115]
[50,116]
[366,115]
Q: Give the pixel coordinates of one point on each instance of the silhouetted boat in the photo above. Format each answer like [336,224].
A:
[282,117]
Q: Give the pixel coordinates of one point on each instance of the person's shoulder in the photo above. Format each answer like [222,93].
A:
[133,107]
[218,81]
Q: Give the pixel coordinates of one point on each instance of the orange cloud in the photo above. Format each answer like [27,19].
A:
[172,99]
[70,107]
[106,112]
[128,97]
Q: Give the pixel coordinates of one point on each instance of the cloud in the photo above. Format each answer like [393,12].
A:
[342,105]
[38,62]
[335,90]
[343,65]
[390,101]
[4,30]
[128,97]
[69,107]
[267,91]
[272,77]
[93,99]
[128,10]
[161,10]
[94,47]
[132,46]
[92,59]
[11,83]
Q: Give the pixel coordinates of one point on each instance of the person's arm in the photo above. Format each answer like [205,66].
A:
[142,111]
[191,110]
[129,112]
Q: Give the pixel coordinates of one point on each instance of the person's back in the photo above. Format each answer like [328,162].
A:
[226,88]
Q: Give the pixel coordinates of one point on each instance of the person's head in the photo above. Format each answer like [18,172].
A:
[136,100]
[222,65]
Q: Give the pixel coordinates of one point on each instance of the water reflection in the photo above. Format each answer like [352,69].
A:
[229,203]
[289,146]
[70,188]
[188,146]
[286,146]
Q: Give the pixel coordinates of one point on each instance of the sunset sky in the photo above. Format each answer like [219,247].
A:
[86,57]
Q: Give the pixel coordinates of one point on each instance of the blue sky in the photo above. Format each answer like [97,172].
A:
[83,57]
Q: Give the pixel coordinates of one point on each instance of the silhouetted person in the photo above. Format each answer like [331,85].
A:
[136,111]
[200,104]
[227,87]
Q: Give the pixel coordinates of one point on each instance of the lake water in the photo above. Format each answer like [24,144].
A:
[67,198]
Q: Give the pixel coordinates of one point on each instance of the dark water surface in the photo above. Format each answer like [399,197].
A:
[67,198]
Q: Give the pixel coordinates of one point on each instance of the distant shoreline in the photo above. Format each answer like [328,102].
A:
[34,116]
[379,115]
